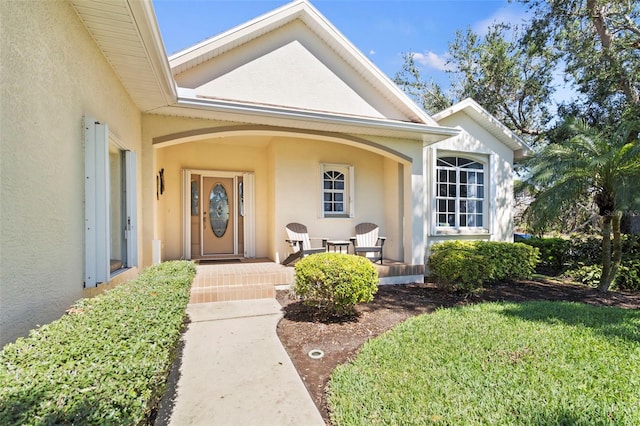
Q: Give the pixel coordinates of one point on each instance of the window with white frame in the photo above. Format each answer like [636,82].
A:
[337,190]
[110,205]
[460,193]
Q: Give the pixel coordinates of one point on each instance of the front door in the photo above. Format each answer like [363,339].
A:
[218,216]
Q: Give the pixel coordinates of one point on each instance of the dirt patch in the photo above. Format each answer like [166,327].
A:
[302,329]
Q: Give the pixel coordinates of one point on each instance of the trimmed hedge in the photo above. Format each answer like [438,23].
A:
[106,362]
[467,265]
[335,282]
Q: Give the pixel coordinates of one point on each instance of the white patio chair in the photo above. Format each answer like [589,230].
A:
[367,242]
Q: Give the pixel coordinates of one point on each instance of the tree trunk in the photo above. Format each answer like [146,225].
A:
[617,246]
[605,279]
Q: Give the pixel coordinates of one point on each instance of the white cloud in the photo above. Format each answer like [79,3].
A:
[508,15]
[372,52]
[432,60]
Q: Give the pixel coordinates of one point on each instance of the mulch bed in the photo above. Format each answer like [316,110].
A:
[302,329]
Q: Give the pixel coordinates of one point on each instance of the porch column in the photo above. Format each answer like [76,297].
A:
[416,211]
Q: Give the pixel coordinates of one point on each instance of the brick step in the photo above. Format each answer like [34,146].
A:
[225,293]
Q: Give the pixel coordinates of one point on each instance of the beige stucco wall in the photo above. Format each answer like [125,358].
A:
[292,67]
[287,178]
[478,143]
[52,74]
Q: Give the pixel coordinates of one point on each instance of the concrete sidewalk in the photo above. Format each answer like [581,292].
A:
[234,370]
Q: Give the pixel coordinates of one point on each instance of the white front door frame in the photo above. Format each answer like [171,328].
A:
[249,210]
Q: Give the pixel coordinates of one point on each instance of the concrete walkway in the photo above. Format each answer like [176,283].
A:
[234,370]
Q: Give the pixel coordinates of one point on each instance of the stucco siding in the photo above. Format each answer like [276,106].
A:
[290,67]
[52,75]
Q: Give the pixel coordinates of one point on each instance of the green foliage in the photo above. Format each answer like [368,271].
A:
[535,363]
[106,362]
[554,253]
[585,250]
[588,275]
[335,282]
[467,265]
[627,278]
[597,43]
[455,265]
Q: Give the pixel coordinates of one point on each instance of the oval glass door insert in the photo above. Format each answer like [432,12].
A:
[219,210]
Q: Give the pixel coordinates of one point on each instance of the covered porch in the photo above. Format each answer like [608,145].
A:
[218,281]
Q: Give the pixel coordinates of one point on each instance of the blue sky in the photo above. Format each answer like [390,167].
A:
[381,29]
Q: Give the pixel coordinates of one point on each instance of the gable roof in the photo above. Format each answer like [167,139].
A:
[491,124]
[127,33]
[301,11]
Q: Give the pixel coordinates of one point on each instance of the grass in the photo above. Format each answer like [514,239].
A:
[536,363]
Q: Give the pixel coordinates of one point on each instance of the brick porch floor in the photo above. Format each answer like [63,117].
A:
[258,278]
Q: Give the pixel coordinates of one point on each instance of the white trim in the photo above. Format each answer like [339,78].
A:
[186,214]
[440,132]
[131,200]
[249,190]
[349,202]
[489,122]
[488,206]
[249,208]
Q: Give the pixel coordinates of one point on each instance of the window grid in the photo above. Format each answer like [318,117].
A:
[334,191]
[460,193]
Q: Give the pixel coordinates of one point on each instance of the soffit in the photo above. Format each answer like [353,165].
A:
[128,36]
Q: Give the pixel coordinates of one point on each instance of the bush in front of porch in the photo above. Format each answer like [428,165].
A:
[467,265]
[335,282]
[106,362]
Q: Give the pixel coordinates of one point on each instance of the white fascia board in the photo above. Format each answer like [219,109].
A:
[478,113]
[313,116]
[253,28]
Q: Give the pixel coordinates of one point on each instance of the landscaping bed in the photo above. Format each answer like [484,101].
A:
[106,361]
[302,329]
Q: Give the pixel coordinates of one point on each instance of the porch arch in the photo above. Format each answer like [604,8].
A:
[253,130]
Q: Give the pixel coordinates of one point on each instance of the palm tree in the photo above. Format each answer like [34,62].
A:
[586,161]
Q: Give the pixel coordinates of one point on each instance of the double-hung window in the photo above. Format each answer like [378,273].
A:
[337,190]
[460,193]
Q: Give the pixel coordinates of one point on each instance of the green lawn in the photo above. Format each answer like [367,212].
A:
[537,363]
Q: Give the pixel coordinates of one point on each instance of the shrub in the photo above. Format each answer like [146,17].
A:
[455,265]
[508,261]
[588,275]
[585,250]
[335,282]
[467,265]
[554,253]
[627,278]
[106,362]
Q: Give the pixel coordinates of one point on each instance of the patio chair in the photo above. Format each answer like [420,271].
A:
[367,242]
[300,242]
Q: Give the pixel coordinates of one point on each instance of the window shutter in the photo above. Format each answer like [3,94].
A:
[96,202]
